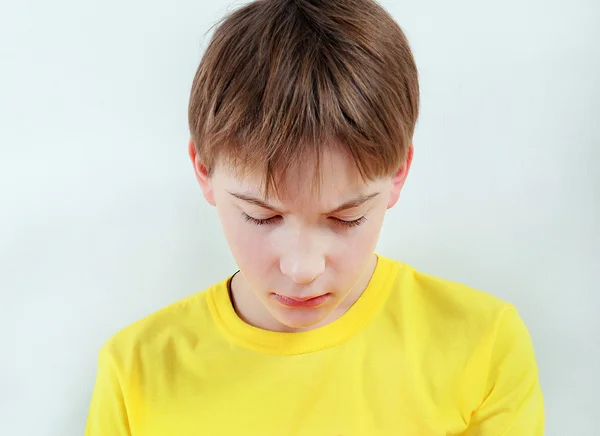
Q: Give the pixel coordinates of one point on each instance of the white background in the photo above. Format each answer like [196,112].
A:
[102,222]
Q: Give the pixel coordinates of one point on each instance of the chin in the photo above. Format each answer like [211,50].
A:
[301,318]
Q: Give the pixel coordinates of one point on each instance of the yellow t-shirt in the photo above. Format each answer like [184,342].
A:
[415,355]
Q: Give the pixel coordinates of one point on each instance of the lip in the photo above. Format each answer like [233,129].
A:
[309,302]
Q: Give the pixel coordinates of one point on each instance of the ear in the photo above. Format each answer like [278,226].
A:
[399,178]
[204,179]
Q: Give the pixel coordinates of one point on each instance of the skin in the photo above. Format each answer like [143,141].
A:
[304,248]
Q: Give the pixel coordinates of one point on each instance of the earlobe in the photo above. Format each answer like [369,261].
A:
[201,173]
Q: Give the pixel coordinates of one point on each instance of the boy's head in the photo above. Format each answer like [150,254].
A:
[302,114]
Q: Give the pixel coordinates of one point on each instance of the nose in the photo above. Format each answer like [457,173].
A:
[304,260]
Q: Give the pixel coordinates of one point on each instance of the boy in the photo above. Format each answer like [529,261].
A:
[302,115]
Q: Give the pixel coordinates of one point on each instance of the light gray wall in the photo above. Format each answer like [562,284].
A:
[101,220]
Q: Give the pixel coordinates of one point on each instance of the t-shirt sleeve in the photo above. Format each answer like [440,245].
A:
[512,403]
[107,413]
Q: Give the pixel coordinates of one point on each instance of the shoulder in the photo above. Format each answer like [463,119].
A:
[445,301]
[179,324]
[452,318]
[473,344]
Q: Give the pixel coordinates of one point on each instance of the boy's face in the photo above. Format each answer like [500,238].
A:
[304,258]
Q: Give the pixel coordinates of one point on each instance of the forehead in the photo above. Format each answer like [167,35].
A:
[335,177]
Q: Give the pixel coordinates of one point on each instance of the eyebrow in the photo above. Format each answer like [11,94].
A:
[355,202]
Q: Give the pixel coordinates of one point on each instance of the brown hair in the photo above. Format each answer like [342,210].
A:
[280,78]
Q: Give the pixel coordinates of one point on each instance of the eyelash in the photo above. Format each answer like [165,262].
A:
[262,222]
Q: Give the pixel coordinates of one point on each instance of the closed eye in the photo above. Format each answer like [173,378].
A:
[352,223]
[260,222]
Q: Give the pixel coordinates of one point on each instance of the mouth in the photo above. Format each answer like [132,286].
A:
[309,302]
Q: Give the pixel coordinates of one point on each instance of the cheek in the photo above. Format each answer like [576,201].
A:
[247,243]
[353,251]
